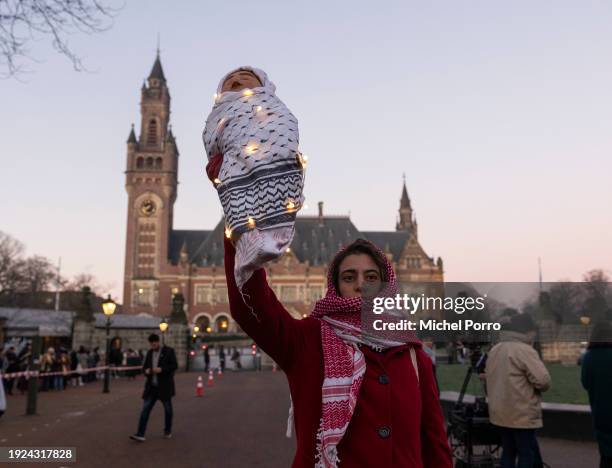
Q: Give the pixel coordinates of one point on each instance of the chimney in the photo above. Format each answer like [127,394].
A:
[320,213]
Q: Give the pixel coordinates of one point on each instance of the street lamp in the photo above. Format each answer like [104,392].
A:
[586,320]
[108,307]
[190,345]
[163,326]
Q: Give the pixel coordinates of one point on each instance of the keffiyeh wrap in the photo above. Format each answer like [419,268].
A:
[251,140]
[343,361]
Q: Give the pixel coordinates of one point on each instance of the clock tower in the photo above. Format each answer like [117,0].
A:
[151,183]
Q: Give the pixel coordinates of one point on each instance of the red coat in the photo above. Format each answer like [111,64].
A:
[397,422]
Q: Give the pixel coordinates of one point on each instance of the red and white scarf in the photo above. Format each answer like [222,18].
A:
[344,363]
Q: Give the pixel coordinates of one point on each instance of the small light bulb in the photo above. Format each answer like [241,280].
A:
[217,181]
[251,222]
[215,97]
[247,92]
[288,249]
[258,109]
[290,205]
[228,233]
[250,149]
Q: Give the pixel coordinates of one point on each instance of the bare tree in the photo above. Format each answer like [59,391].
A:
[36,274]
[565,300]
[11,252]
[23,21]
[81,280]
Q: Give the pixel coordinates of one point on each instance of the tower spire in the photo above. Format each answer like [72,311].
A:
[406,221]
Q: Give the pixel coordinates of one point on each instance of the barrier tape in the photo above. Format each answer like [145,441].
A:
[28,374]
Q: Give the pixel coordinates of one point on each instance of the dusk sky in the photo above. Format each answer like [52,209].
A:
[499,113]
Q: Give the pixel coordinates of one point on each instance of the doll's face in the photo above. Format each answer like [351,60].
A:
[240,80]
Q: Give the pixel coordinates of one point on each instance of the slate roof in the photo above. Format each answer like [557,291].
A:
[28,322]
[314,242]
[157,71]
[394,241]
[128,321]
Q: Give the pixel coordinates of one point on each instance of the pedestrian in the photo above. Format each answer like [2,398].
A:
[597,381]
[75,378]
[516,377]
[64,368]
[56,369]
[12,365]
[81,368]
[206,358]
[358,399]
[159,366]
[236,359]
[222,357]
[23,362]
[46,365]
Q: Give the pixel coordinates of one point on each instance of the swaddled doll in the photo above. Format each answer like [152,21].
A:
[251,140]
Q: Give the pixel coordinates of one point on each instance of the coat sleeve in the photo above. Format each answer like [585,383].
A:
[260,314]
[434,442]
[535,370]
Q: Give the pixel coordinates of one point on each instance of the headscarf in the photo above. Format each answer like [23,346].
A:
[251,140]
[342,332]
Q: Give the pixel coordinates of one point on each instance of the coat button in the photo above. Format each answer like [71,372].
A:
[384,432]
[383,379]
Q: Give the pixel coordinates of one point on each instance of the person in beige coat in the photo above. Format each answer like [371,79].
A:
[516,377]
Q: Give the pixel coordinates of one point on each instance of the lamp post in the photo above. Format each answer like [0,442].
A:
[586,320]
[191,339]
[108,307]
[163,326]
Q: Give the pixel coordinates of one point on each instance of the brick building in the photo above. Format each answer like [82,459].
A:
[161,261]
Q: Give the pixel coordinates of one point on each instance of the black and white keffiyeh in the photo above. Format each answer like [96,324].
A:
[261,178]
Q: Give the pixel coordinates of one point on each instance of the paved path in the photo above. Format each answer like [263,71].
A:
[240,422]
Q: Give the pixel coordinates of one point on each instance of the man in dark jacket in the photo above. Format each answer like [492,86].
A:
[597,380]
[159,366]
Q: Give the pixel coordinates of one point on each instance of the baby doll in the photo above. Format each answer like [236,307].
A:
[251,140]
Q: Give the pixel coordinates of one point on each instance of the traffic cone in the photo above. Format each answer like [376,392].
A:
[200,387]
[219,372]
[211,378]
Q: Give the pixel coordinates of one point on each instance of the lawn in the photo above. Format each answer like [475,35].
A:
[565,388]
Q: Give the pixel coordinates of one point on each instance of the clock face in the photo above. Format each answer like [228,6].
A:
[148,207]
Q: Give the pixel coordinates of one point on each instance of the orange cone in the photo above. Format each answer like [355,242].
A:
[211,378]
[219,372]
[200,387]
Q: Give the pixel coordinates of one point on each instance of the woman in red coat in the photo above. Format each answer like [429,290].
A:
[358,400]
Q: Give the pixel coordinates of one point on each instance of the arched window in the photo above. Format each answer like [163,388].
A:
[152,133]
[222,324]
[158,163]
[149,162]
[204,323]
[140,162]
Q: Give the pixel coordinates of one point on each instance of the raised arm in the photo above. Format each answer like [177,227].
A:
[260,314]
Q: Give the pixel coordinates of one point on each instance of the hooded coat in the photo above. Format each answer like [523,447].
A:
[397,421]
[516,378]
